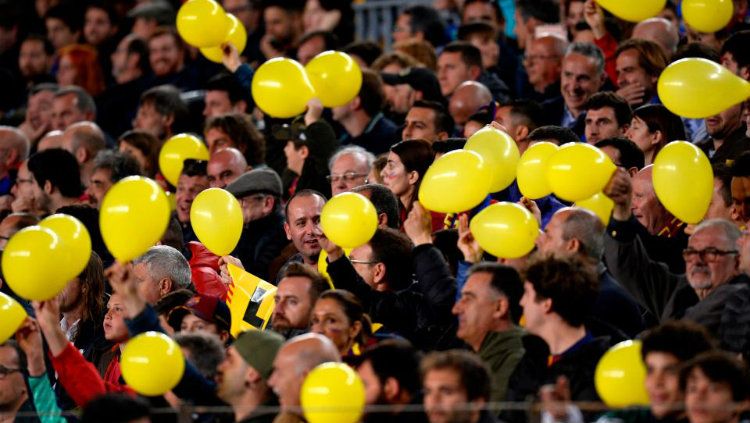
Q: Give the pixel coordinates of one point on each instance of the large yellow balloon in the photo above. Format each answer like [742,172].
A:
[505,230]
[620,376]
[600,205]
[175,151]
[133,217]
[12,316]
[76,238]
[455,182]
[707,15]
[333,393]
[237,36]
[216,217]
[577,171]
[202,23]
[349,220]
[36,263]
[532,170]
[633,10]
[335,76]
[683,180]
[152,363]
[698,88]
[281,88]
[499,151]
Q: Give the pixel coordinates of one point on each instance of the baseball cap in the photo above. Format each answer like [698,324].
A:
[208,308]
[258,348]
[420,79]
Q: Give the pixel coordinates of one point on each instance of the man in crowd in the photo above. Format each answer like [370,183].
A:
[639,63]
[543,64]
[47,181]
[161,270]
[161,112]
[468,98]
[84,140]
[108,168]
[225,166]
[299,289]
[284,26]
[607,115]
[349,168]
[520,117]
[72,104]
[302,225]
[427,120]
[224,95]
[191,182]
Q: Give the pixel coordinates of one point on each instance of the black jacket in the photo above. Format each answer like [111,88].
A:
[260,242]
[554,110]
[735,144]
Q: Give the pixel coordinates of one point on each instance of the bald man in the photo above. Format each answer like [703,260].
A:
[14,149]
[543,64]
[660,31]
[225,166]
[468,98]
[84,140]
[52,139]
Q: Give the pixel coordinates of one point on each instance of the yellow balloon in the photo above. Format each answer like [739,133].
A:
[333,393]
[505,230]
[698,88]
[455,182]
[175,151]
[12,316]
[152,363]
[683,181]
[633,10]
[349,220]
[600,205]
[707,15]
[216,217]
[281,88]
[532,168]
[133,217]
[76,238]
[36,263]
[499,151]
[620,376]
[335,76]
[237,36]
[577,171]
[202,23]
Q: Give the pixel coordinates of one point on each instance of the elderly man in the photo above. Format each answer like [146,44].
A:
[660,31]
[467,99]
[543,63]
[349,168]
[14,149]
[72,104]
[225,166]
[160,271]
[84,140]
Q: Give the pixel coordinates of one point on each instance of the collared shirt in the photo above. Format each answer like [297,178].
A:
[568,120]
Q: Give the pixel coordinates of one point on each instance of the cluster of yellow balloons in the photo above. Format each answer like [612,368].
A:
[12,316]
[333,393]
[176,150]
[216,217]
[620,375]
[205,24]
[349,220]
[152,363]
[683,180]
[282,87]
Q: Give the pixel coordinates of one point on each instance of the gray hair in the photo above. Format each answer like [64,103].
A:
[84,101]
[730,230]
[14,138]
[163,261]
[354,150]
[589,50]
[586,227]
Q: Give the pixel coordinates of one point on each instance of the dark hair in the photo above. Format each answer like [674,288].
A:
[302,193]
[443,120]
[140,47]
[353,309]
[228,84]
[475,377]
[384,201]
[481,28]
[554,133]
[470,55]
[426,20]
[650,55]
[394,249]
[173,235]
[526,112]
[120,165]
[114,19]
[71,15]
[22,362]
[741,165]
[696,50]
[318,284]
[600,100]
[397,359]
[245,135]
[630,155]
[166,101]
[483,116]
[723,173]
[147,144]
[49,50]
[500,17]
[546,11]
[448,145]
[681,338]
[505,281]
[736,45]
[289,6]
[115,408]
[194,167]
[569,283]
[659,118]
[719,367]
[371,94]
[416,156]
[174,299]
[89,216]
[60,168]
[368,51]
[92,284]
[84,101]
[330,40]
[206,351]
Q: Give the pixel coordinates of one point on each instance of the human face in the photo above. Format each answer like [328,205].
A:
[99,183]
[575,14]
[32,59]
[402,29]
[479,12]
[663,383]
[295,157]
[706,275]
[231,376]
[244,11]
[347,172]
[287,377]
[551,242]
[97,27]
[66,71]
[443,396]
[149,289]
[302,225]
[533,309]
[542,63]
[151,121]
[216,139]
[630,72]
[188,187]
[279,24]
[707,401]
[399,97]
[293,304]
[451,72]
[741,198]
[373,387]
[192,323]
[489,49]
[645,205]
[579,80]
[165,55]
[25,185]
[420,124]
[361,258]
[397,178]
[70,297]
[126,148]
[12,385]
[217,103]
[722,125]
[330,320]
[59,34]
[602,123]
[65,112]
[115,329]
[638,133]
[255,207]
[222,170]
[40,110]
[306,51]
[718,208]
[477,309]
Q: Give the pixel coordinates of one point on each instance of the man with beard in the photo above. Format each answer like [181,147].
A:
[161,112]
[299,289]
[726,136]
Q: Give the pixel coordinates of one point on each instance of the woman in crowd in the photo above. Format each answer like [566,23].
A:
[339,315]
[144,148]
[652,127]
[79,65]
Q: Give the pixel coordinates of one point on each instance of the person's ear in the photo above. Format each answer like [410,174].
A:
[268,204]
[383,220]
[82,155]
[304,152]
[657,137]
[413,177]
[522,131]
[286,230]
[168,121]
[355,330]
[391,388]
[47,188]
[252,377]
[475,72]
[165,286]
[379,273]
[501,308]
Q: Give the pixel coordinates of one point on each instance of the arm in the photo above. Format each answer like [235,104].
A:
[594,16]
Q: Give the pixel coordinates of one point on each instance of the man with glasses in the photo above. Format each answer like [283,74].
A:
[14,394]
[349,168]
[543,64]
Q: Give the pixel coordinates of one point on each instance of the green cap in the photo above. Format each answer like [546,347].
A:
[259,348]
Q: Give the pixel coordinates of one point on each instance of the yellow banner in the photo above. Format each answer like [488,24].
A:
[250,300]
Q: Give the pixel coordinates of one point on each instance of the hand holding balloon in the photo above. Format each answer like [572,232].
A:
[467,244]
[418,225]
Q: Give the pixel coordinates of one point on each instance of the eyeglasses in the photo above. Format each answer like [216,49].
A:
[5,371]
[354,261]
[347,177]
[707,254]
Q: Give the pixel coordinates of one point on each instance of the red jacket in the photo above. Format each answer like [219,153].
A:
[204,266]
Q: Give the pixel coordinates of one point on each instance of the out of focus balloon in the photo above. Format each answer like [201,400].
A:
[335,76]
[11,317]
[532,170]
[176,150]
[216,217]
[499,151]
[76,238]
[600,205]
[620,376]
[683,180]
[698,88]
[349,220]
[578,171]
[202,23]
[707,15]
[505,230]
[152,363]
[633,10]
[237,36]
[455,182]
[333,393]
[281,88]
[133,217]
[36,263]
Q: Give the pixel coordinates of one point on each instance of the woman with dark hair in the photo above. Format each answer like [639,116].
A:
[340,317]
[238,131]
[144,148]
[308,150]
[653,127]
